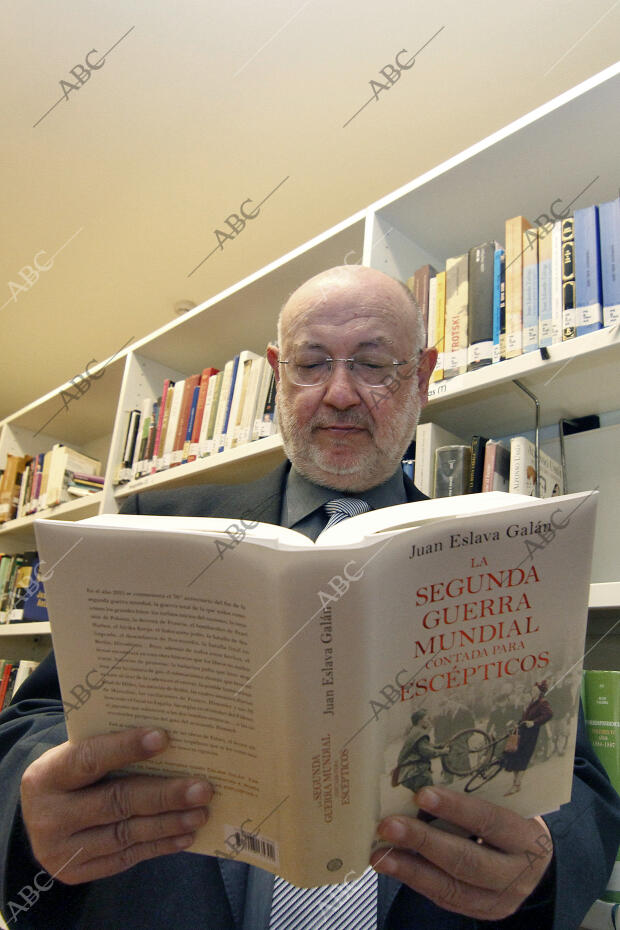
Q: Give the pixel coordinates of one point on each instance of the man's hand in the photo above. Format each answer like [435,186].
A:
[488,881]
[87,828]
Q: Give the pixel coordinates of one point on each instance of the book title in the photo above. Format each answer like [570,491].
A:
[493,614]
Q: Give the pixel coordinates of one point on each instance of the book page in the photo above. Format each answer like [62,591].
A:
[156,629]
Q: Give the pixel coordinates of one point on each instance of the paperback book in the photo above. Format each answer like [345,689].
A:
[303,678]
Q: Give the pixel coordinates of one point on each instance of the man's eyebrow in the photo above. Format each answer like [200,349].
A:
[365,344]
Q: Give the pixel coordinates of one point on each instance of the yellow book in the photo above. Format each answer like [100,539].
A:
[439,324]
[515,228]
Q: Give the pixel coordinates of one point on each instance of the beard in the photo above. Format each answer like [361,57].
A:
[340,465]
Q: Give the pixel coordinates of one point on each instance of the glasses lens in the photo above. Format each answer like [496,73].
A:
[309,369]
[373,370]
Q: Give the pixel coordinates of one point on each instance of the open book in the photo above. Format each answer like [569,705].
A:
[287,672]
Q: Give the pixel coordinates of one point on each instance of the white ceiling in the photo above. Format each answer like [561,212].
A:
[201,106]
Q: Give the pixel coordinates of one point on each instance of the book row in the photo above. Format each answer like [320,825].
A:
[446,466]
[198,416]
[12,676]
[30,484]
[550,283]
[22,595]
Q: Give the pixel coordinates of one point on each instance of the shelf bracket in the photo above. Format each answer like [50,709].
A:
[537,436]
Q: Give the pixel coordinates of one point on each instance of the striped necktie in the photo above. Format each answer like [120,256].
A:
[342,508]
[349,906]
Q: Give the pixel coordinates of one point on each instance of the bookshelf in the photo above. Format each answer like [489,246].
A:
[554,152]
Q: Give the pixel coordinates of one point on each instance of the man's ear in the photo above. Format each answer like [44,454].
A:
[428,360]
[273,354]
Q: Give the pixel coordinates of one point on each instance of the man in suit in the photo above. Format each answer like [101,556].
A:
[352,378]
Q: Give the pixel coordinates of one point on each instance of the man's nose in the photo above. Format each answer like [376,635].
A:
[341,389]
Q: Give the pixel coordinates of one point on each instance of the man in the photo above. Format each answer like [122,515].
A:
[113,839]
[413,767]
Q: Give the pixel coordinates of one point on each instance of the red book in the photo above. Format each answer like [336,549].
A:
[186,402]
[160,421]
[5,681]
[202,397]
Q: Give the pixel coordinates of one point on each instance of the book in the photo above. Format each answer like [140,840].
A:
[207,429]
[438,287]
[529,336]
[239,394]
[419,285]
[163,408]
[601,705]
[545,284]
[452,470]
[557,294]
[191,421]
[163,438]
[25,668]
[167,455]
[64,459]
[569,316]
[499,305]
[456,325]
[480,304]
[609,230]
[496,471]
[588,293]
[428,437]
[478,445]
[180,436]
[266,423]
[285,636]
[523,470]
[205,377]
[10,485]
[227,391]
[4,681]
[514,229]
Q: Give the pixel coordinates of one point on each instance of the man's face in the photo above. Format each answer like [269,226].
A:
[343,434]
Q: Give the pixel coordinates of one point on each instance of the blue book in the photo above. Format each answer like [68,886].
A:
[229,402]
[34,602]
[609,229]
[190,423]
[588,294]
[530,290]
[499,305]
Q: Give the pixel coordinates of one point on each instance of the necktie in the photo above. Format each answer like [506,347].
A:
[349,906]
[341,508]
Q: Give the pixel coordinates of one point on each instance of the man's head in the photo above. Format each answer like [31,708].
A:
[346,434]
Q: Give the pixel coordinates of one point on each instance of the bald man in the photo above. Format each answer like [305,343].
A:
[352,376]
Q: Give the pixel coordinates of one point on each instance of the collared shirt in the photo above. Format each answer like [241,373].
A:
[302,506]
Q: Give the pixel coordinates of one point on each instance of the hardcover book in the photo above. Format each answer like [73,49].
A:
[295,675]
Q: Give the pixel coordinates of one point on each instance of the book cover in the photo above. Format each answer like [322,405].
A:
[440,321]
[499,305]
[530,290]
[480,304]
[223,408]
[523,470]
[207,429]
[174,416]
[456,324]
[601,704]
[452,470]
[419,285]
[181,431]
[588,293]
[569,315]
[609,229]
[496,472]
[165,426]
[168,383]
[190,424]
[282,635]
[428,437]
[545,284]
[514,229]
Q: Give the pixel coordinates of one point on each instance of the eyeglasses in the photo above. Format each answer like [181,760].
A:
[374,370]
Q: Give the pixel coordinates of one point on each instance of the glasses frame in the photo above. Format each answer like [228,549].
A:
[349,363]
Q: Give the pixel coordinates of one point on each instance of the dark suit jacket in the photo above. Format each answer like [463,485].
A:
[188,891]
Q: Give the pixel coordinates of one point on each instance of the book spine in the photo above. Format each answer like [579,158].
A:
[515,228]
[431,330]
[440,323]
[499,305]
[455,359]
[223,405]
[588,297]
[452,467]
[478,444]
[601,701]
[557,324]
[609,228]
[545,310]
[160,423]
[165,427]
[530,291]
[569,319]
[519,463]
[480,305]
[489,466]
[190,424]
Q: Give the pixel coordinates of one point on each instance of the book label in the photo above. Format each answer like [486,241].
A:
[612,315]
[481,352]
[592,314]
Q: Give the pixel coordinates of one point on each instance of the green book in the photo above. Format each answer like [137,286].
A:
[601,702]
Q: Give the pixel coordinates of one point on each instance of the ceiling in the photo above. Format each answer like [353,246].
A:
[113,195]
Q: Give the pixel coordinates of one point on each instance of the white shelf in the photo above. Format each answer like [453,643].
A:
[31,628]
[77,509]
[230,467]
[581,376]
[605,595]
